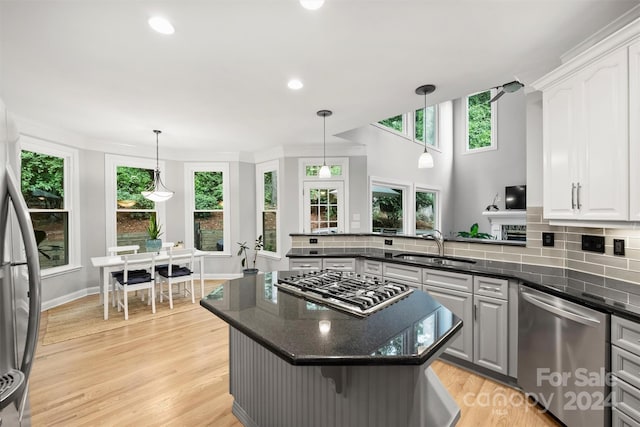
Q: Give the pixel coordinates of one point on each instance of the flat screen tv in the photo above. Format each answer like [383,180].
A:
[515,197]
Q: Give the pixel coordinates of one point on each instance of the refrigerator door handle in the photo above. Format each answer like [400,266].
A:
[33,267]
[559,311]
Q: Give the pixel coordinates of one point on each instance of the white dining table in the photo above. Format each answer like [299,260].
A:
[108,264]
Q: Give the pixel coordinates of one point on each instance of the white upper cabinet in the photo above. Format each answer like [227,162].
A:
[591,132]
[586,143]
[634,131]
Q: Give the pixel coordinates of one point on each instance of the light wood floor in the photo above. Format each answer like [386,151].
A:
[174,371]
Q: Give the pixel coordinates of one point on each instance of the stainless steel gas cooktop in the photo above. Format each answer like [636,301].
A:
[345,291]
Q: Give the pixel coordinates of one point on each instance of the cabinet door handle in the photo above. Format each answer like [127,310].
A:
[578,191]
[475,311]
[573,195]
[490,288]
[305,265]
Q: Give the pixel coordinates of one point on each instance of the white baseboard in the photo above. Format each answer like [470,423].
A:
[63,299]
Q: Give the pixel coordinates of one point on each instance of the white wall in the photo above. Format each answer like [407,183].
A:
[478,177]
[390,156]
[534,149]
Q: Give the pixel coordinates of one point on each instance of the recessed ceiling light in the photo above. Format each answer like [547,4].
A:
[295,84]
[312,4]
[161,25]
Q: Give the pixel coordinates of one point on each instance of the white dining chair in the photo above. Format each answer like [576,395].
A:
[116,251]
[178,271]
[138,275]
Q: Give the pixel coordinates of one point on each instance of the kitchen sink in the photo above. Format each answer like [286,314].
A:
[434,259]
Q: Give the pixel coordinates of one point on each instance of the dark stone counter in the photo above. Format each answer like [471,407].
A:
[601,293]
[409,332]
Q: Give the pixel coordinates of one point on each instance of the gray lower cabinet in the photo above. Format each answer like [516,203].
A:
[461,303]
[490,347]
[625,366]
[482,304]
[305,263]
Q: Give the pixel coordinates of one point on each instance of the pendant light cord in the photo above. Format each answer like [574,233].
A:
[324,140]
[424,121]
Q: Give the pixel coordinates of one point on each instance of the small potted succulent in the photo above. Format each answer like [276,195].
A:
[243,252]
[154,231]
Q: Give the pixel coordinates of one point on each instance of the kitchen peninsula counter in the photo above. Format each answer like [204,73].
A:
[294,362]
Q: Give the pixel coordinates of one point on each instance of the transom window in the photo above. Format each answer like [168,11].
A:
[396,123]
[426,125]
[49,185]
[481,116]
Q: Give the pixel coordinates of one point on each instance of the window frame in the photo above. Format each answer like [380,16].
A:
[303,162]
[190,205]
[71,187]
[261,169]
[494,124]
[112,161]
[408,203]
[342,215]
[407,125]
[423,188]
[436,144]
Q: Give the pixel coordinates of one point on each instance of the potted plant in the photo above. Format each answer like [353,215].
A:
[243,252]
[474,233]
[154,231]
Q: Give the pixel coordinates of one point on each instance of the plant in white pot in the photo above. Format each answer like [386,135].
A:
[154,231]
[243,252]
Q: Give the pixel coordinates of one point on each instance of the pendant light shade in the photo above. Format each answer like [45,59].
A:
[325,171]
[426,159]
[157,192]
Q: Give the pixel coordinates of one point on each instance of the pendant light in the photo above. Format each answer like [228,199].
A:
[157,192]
[325,171]
[426,159]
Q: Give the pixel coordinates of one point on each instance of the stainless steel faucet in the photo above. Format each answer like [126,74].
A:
[436,236]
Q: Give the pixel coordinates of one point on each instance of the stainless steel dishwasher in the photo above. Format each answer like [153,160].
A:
[563,357]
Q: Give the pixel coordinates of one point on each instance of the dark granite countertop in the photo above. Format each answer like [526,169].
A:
[413,236]
[408,332]
[601,293]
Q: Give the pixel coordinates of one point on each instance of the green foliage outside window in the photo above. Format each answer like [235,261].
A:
[131,182]
[386,209]
[208,190]
[425,211]
[479,120]
[42,180]
[336,170]
[394,123]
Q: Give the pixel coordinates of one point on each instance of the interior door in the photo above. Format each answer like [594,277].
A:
[323,207]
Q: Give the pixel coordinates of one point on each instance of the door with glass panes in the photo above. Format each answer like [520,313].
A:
[323,207]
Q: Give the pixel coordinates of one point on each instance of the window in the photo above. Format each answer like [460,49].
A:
[387,208]
[267,185]
[323,206]
[49,184]
[426,125]
[427,213]
[207,207]
[481,122]
[132,210]
[395,123]
[127,212]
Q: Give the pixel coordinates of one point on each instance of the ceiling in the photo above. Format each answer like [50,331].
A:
[220,82]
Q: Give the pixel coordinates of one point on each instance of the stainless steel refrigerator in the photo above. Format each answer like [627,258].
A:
[19,284]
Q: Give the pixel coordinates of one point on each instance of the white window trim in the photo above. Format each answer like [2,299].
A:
[408,224]
[261,169]
[71,197]
[407,126]
[111,163]
[494,125]
[430,189]
[190,204]
[302,178]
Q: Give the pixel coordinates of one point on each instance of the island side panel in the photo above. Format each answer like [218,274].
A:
[271,392]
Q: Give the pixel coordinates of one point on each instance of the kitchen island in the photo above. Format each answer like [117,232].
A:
[294,362]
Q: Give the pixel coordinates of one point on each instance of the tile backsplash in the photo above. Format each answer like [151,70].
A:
[619,273]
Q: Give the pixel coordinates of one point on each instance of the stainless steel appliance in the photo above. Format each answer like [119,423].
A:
[19,285]
[345,291]
[563,357]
